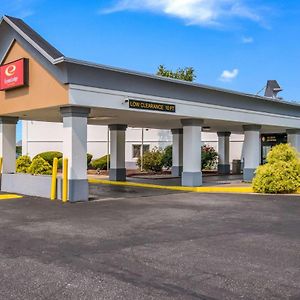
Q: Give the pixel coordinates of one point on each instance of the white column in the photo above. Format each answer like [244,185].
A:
[25,137]
[117,171]
[192,175]
[223,152]
[293,136]
[177,152]
[252,150]
[8,144]
[75,149]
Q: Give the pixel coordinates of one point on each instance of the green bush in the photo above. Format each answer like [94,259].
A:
[40,166]
[167,157]
[49,156]
[89,158]
[60,163]
[152,160]
[209,157]
[281,173]
[100,163]
[22,164]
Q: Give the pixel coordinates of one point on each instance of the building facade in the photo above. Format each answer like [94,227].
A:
[38,137]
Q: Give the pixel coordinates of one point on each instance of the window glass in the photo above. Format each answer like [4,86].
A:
[136,150]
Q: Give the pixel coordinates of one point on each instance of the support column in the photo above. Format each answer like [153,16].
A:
[223,151]
[293,136]
[192,174]
[117,170]
[75,149]
[177,152]
[8,144]
[252,150]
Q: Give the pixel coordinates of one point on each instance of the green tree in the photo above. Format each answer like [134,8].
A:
[187,74]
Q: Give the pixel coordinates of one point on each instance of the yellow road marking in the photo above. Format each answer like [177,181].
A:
[208,189]
[200,189]
[9,196]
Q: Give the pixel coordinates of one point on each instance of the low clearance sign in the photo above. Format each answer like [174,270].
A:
[14,74]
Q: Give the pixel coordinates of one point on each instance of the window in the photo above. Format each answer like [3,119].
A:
[136,150]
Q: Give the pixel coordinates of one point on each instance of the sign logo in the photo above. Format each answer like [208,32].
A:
[14,74]
[145,105]
[10,70]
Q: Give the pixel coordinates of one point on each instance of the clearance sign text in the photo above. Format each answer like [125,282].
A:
[138,104]
[14,74]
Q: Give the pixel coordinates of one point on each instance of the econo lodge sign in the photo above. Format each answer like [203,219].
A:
[14,74]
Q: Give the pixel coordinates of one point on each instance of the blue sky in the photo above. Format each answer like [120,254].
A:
[235,44]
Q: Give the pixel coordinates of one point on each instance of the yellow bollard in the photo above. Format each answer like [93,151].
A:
[54,176]
[65,181]
[1,162]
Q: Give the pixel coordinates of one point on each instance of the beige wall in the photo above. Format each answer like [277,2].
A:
[43,91]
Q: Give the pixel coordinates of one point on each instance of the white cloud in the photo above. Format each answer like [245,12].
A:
[247,39]
[200,12]
[18,8]
[228,76]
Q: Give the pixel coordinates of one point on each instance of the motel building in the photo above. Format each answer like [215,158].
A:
[78,107]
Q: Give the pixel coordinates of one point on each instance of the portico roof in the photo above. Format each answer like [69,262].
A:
[90,84]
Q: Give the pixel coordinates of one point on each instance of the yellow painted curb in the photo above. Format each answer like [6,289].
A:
[9,196]
[200,189]
[209,189]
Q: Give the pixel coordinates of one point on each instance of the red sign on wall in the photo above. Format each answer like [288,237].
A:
[14,74]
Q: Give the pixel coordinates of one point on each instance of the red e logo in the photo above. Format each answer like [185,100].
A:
[10,70]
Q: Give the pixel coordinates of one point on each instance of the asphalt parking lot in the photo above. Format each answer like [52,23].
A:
[132,243]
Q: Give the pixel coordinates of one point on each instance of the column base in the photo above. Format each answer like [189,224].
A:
[78,190]
[223,169]
[191,179]
[177,171]
[248,174]
[117,174]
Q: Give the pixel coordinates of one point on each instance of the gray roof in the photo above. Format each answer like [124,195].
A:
[34,36]
[56,57]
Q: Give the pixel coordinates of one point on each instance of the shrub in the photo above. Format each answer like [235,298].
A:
[100,163]
[209,157]
[281,173]
[40,166]
[22,164]
[167,157]
[49,156]
[89,158]
[152,160]
[60,163]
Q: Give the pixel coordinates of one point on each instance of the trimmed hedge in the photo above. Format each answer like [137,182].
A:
[49,156]
[100,163]
[281,173]
[89,158]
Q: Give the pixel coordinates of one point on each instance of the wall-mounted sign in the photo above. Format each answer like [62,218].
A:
[138,104]
[14,74]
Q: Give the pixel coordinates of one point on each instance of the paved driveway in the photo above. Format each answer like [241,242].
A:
[152,245]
